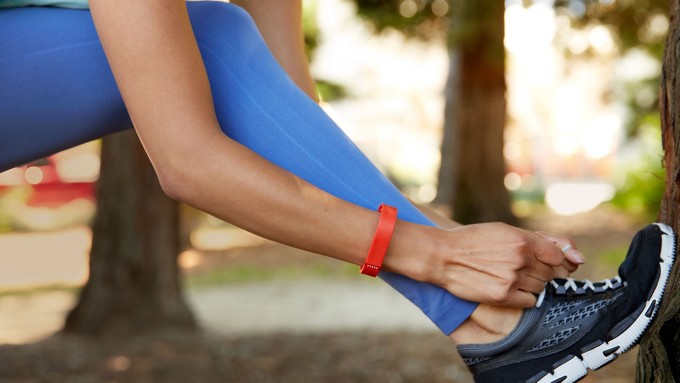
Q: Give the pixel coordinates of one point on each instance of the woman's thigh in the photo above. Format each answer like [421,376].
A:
[56,88]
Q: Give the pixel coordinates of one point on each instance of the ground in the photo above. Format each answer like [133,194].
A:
[284,316]
[282,358]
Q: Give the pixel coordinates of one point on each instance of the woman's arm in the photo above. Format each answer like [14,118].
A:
[158,68]
[280,23]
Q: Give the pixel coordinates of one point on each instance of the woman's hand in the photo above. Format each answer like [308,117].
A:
[498,264]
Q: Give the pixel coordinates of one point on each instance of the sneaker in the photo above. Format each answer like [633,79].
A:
[581,325]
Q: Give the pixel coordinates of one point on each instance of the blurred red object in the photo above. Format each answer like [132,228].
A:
[48,189]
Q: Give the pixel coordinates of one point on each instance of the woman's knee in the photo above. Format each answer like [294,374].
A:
[217,18]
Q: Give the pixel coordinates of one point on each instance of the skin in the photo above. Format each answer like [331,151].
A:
[156,63]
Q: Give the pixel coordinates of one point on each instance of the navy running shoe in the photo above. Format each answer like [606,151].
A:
[581,325]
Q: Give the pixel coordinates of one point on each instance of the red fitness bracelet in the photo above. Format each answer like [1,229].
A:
[381,240]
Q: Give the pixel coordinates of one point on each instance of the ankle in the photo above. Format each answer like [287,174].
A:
[487,324]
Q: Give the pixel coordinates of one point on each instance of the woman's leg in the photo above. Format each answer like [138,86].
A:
[66,95]
[259,106]
[56,88]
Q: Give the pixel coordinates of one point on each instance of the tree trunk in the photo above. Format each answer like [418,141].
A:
[659,357]
[134,282]
[476,114]
[446,182]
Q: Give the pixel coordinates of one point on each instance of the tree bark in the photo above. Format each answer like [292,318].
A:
[659,357]
[134,282]
[446,182]
[476,111]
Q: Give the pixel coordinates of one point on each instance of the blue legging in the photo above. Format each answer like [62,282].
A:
[57,91]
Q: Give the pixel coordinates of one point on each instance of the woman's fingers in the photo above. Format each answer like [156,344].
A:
[572,256]
[569,266]
[540,271]
[531,285]
[546,252]
[567,246]
[522,299]
[561,272]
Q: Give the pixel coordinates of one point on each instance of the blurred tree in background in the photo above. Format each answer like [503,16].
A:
[472,165]
[134,281]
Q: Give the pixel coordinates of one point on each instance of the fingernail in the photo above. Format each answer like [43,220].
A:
[578,256]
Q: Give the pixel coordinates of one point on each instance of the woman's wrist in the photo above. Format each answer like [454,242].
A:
[412,250]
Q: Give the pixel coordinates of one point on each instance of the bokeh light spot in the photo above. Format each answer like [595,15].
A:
[408,8]
[573,198]
[512,181]
[33,175]
[440,8]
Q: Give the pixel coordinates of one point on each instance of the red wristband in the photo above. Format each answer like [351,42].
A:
[381,240]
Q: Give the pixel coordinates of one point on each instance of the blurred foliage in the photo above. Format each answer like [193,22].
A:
[416,18]
[30,290]
[641,98]
[10,199]
[612,257]
[328,91]
[258,273]
[635,25]
[642,192]
[457,21]
[310,28]
[641,182]
[632,24]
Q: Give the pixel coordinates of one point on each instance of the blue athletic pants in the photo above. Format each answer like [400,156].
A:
[57,91]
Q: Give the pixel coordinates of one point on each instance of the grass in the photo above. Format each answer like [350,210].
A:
[251,273]
[23,291]
[612,257]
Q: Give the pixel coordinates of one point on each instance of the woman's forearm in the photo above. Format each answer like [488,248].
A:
[250,192]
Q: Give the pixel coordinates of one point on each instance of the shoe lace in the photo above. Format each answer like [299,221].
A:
[571,283]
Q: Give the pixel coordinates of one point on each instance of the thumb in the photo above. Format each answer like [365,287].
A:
[522,299]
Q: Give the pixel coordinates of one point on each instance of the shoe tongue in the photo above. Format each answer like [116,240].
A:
[627,267]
